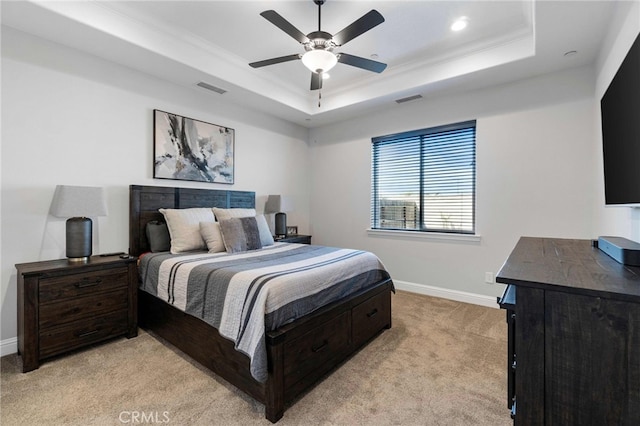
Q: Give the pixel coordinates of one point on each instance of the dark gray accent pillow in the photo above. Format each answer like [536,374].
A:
[240,234]
[158,236]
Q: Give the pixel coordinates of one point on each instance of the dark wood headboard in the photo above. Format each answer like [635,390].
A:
[144,202]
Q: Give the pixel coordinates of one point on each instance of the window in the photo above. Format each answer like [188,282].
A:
[424,180]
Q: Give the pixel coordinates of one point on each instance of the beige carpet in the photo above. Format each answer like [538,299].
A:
[442,363]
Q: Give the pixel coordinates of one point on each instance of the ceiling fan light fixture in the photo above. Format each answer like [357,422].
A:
[319,57]
[319,61]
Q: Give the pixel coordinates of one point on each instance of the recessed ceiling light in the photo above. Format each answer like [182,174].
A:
[374,56]
[460,24]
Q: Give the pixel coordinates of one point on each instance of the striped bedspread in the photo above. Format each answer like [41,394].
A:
[244,294]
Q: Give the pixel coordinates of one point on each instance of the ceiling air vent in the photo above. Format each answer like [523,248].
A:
[210,87]
[408,99]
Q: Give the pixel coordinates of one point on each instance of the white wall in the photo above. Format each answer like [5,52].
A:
[71,118]
[534,177]
[618,221]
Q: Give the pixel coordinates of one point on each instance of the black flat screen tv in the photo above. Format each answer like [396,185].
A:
[620,109]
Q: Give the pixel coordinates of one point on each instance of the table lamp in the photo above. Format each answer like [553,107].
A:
[78,203]
[278,205]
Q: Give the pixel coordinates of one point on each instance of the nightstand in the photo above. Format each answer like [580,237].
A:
[64,305]
[297,238]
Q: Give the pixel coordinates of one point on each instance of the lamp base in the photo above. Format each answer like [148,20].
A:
[79,239]
[281,225]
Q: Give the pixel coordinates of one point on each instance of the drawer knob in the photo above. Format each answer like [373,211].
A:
[86,283]
[320,348]
[372,313]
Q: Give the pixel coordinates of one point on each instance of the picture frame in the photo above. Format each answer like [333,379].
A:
[292,230]
[193,150]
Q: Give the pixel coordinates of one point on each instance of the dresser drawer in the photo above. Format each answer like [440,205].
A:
[304,354]
[77,334]
[369,317]
[69,310]
[74,285]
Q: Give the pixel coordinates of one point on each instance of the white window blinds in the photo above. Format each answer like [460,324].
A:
[424,180]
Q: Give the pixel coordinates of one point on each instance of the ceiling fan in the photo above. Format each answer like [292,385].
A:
[319,45]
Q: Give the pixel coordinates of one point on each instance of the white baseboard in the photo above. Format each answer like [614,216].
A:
[445,293]
[8,346]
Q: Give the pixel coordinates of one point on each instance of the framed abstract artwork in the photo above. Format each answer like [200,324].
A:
[188,149]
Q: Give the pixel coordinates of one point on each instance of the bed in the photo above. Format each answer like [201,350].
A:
[297,354]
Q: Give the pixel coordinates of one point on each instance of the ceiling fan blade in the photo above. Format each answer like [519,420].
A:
[275,60]
[276,19]
[360,26]
[316,81]
[357,61]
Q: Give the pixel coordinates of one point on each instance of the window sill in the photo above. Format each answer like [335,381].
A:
[418,235]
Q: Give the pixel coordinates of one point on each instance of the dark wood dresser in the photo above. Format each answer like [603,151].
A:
[573,317]
[64,305]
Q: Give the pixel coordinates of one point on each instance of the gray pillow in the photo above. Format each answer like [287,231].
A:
[158,236]
[240,234]
[265,233]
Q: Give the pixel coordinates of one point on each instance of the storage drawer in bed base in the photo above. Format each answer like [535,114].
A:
[285,382]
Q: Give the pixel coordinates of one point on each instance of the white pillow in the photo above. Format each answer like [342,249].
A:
[184,228]
[210,231]
[222,214]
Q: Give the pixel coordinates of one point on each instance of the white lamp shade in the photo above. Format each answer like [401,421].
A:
[273,204]
[319,61]
[78,201]
[278,204]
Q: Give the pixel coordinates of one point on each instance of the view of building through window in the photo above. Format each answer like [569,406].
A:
[424,180]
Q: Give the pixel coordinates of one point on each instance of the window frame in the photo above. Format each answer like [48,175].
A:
[422,229]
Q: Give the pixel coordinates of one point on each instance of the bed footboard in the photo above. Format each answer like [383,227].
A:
[299,354]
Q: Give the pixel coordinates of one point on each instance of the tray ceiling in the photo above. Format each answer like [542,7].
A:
[188,42]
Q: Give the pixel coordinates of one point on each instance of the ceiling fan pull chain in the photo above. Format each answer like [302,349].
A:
[319,97]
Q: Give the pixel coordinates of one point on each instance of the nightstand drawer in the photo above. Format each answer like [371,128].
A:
[70,286]
[77,334]
[69,310]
